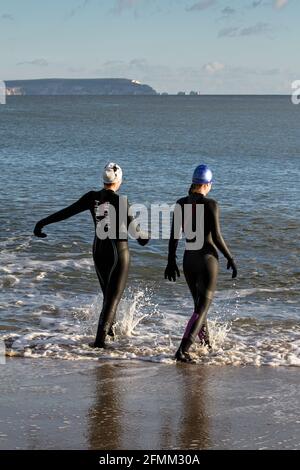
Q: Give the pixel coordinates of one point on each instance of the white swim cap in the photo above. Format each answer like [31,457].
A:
[112,173]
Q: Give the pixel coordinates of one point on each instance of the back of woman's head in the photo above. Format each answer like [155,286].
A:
[112,174]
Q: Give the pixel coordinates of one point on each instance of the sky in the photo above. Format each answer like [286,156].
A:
[210,46]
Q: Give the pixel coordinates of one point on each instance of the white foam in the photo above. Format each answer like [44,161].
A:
[9,281]
[41,276]
[142,332]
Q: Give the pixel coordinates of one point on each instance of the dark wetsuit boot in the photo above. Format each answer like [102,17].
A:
[182,354]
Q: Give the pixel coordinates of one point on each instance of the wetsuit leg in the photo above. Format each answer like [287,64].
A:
[112,264]
[201,271]
[96,257]
[101,279]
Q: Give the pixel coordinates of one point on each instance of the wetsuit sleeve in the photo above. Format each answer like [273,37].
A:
[174,235]
[79,206]
[216,231]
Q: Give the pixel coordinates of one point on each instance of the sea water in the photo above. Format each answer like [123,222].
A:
[53,149]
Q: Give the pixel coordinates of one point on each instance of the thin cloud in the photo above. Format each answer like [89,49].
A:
[201,5]
[228,32]
[122,5]
[113,63]
[36,62]
[76,9]
[208,78]
[270,72]
[278,4]
[213,67]
[7,16]
[138,69]
[204,77]
[257,29]
[138,63]
[228,11]
[256,3]
[77,70]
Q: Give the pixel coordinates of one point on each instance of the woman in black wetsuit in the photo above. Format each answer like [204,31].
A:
[200,265]
[112,222]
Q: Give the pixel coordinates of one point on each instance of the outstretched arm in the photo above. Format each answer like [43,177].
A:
[79,206]
[172,269]
[218,238]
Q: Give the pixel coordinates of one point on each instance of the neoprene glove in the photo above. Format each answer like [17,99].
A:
[231,265]
[171,271]
[38,230]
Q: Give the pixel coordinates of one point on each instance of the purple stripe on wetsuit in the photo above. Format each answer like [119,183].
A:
[190,324]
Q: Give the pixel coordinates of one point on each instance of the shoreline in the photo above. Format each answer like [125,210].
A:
[54,404]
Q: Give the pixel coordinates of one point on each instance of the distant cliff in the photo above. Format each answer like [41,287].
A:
[88,86]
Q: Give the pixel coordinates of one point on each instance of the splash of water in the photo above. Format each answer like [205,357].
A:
[142,332]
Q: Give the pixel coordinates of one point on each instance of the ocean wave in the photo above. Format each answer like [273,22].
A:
[143,333]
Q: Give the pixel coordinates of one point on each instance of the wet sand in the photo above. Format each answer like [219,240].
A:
[52,404]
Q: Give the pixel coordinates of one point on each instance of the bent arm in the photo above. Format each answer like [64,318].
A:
[216,232]
[79,206]
[134,228]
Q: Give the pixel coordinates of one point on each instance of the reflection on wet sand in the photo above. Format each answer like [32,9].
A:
[132,410]
[196,402]
[104,423]
[48,404]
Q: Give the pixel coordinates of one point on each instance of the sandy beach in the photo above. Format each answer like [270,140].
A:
[52,404]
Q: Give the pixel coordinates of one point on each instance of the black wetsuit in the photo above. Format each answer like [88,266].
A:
[200,266]
[110,254]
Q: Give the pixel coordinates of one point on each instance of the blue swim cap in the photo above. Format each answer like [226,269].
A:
[202,175]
